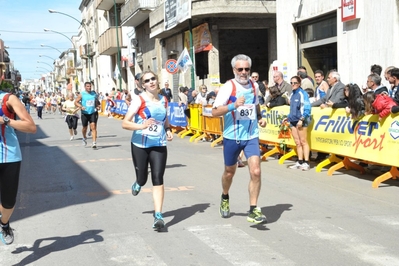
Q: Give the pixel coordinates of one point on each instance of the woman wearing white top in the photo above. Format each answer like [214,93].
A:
[40,102]
[201,97]
[72,117]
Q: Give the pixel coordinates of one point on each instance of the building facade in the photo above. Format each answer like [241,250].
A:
[347,35]
[227,27]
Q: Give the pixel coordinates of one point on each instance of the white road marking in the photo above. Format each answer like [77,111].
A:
[367,251]
[237,247]
[390,220]
[129,249]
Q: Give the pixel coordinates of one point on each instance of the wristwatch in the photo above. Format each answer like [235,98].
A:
[6,120]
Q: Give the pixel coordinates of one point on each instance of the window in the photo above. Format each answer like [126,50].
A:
[314,30]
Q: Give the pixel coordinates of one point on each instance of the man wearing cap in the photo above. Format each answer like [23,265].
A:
[167,92]
[138,88]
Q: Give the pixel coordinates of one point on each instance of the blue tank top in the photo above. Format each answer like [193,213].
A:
[241,124]
[89,102]
[319,93]
[155,135]
[10,151]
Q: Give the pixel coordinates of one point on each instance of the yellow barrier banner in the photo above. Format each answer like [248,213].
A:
[333,131]
[270,132]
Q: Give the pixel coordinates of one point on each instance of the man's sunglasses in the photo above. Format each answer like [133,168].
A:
[150,79]
[240,69]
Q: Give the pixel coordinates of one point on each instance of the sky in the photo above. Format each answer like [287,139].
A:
[22,31]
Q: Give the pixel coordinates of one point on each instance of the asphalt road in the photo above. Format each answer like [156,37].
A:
[75,208]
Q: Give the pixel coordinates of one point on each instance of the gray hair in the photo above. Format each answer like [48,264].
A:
[241,57]
[302,75]
[375,78]
[336,75]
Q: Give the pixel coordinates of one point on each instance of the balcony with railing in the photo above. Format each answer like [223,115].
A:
[135,12]
[216,9]
[107,44]
[107,4]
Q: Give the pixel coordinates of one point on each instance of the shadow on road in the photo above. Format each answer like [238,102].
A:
[273,214]
[183,213]
[57,243]
[50,178]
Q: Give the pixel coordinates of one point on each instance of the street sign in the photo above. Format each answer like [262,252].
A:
[171,66]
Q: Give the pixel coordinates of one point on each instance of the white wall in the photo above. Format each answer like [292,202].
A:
[361,43]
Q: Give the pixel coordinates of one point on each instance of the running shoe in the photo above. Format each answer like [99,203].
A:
[75,132]
[305,167]
[71,138]
[7,235]
[159,223]
[224,209]
[135,189]
[297,165]
[240,164]
[84,142]
[89,134]
[94,146]
[256,216]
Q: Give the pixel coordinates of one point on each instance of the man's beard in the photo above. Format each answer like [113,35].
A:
[240,81]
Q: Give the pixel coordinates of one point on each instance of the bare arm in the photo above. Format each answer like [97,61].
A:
[78,102]
[25,123]
[128,123]
[224,109]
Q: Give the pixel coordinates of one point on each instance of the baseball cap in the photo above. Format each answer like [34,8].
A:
[137,77]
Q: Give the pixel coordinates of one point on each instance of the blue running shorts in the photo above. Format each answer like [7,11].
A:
[232,148]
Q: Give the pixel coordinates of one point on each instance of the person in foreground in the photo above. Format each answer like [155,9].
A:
[11,158]
[88,102]
[237,100]
[148,120]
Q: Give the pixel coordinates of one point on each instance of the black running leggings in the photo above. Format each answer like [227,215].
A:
[72,121]
[9,180]
[156,157]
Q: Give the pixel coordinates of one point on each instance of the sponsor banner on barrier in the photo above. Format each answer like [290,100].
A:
[120,108]
[207,110]
[271,131]
[176,115]
[332,131]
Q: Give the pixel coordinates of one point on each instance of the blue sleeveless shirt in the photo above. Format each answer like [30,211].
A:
[89,102]
[10,151]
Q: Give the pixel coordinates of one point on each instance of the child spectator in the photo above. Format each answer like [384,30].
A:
[380,104]
[310,92]
[210,97]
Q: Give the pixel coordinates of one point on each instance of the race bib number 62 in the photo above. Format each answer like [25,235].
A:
[154,130]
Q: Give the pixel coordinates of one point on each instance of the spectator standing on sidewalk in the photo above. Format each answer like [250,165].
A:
[322,85]
[167,92]
[237,100]
[262,88]
[284,87]
[148,120]
[138,89]
[11,158]
[299,118]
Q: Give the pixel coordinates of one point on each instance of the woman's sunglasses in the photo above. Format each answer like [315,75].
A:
[150,79]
